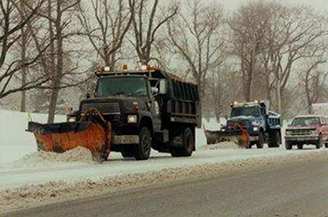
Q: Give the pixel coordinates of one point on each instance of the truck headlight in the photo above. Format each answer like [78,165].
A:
[71,119]
[255,128]
[132,119]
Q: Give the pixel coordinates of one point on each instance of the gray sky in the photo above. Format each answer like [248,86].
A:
[319,4]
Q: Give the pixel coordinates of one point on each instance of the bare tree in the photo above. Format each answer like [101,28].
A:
[248,25]
[59,16]
[146,24]
[195,35]
[106,31]
[314,78]
[12,29]
[300,30]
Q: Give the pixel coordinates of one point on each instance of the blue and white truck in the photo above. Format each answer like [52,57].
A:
[251,118]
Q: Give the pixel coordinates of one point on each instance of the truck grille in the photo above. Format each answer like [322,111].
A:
[104,108]
[243,124]
[300,132]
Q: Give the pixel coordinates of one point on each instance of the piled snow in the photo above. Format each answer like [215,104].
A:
[44,159]
[223,145]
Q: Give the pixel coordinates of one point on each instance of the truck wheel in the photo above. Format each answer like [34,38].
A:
[326,145]
[142,150]
[260,143]
[319,142]
[288,146]
[274,140]
[300,146]
[188,145]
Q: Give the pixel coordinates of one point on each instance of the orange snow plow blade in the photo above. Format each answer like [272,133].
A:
[94,134]
[238,135]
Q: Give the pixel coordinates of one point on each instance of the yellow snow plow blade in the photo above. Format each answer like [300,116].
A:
[238,135]
[92,132]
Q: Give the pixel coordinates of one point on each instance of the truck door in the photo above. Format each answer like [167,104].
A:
[155,106]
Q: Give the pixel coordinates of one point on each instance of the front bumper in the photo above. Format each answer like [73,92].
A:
[125,139]
[298,139]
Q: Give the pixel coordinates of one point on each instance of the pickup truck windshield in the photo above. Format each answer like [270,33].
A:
[305,121]
[127,86]
[245,111]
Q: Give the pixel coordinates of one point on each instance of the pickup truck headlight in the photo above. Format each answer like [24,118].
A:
[132,119]
[314,132]
[71,119]
[255,128]
[288,132]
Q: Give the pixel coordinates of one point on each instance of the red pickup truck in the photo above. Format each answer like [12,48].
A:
[307,130]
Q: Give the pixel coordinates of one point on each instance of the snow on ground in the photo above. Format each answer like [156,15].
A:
[25,173]
[14,141]
[64,190]
[49,159]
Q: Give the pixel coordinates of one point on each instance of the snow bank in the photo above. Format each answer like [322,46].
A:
[222,145]
[47,159]
[15,142]
[59,191]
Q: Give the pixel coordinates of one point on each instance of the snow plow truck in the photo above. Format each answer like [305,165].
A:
[131,111]
[250,123]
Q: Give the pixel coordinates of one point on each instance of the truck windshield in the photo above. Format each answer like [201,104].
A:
[127,86]
[245,111]
[305,121]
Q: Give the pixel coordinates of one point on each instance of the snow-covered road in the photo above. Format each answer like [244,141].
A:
[18,174]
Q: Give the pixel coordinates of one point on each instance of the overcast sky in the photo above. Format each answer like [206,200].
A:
[319,4]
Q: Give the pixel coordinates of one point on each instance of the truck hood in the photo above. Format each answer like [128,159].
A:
[122,104]
[242,118]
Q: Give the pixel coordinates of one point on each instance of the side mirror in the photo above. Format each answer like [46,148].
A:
[87,95]
[162,86]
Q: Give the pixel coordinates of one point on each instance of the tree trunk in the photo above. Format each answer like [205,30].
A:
[59,66]
[23,58]
[278,94]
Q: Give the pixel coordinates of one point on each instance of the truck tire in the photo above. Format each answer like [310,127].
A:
[142,150]
[260,143]
[274,140]
[288,146]
[318,145]
[300,146]
[188,145]
[326,145]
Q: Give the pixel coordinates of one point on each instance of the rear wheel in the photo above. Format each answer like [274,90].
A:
[142,150]
[188,145]
[260,143]
[326,145]
[300,146]
[288,146]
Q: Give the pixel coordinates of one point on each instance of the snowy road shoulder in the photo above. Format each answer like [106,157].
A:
[50,185]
